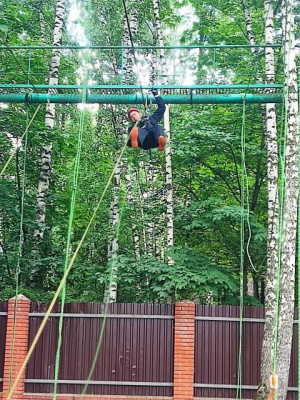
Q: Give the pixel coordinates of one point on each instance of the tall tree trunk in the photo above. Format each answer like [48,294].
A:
[248,21]
[169,185]
[133,204]
[169,181]
[45,173]
[110,292]
[289,217]
[272,256]
[42,24]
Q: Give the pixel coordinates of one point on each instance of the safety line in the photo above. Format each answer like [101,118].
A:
[72,209]
[68,243]
[242,251]
[19,255]
[19,64]
[21,138]
[132,47]
[113,263]
[63,280]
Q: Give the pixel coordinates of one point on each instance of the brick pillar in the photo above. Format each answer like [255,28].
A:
[19,346]
[184,348]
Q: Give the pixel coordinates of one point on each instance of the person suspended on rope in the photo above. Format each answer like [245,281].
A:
[145,131]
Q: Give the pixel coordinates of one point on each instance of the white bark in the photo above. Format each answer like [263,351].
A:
[169,182]
[289,220]
[127,53]
[248,21]
[273,213]
[42,25]
[133,205]
[169,186]
[110,293]
[45,173]
[160,38]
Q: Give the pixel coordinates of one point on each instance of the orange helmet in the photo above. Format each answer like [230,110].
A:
[131,110]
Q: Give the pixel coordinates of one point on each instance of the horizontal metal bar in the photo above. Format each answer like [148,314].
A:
[3,313]
[145,87]
[43,98]
[111,383]
[77,315]
[244,387]
[179,47]
[233,319]
[228,319]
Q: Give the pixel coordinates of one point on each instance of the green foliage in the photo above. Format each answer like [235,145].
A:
[192,276]
[206,162]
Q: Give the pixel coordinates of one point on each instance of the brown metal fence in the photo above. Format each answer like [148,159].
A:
[136,354]
[217,334]
[3,319]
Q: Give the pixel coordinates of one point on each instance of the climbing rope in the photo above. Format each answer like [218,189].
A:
[19,254]
[133,49]
[63,280]
[21,138]
[244,183]
[113,264]
[72,208]
[19,64]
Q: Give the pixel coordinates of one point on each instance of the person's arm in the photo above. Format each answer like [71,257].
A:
[161,108]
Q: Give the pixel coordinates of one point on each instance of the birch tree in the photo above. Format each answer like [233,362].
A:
[169,181]
[110,292]
[272,254]
[45,170]
[290,203]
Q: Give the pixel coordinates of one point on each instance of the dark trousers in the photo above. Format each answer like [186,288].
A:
[148,139]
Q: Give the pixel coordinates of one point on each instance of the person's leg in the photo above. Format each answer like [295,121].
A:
[134,135]
[160,139]
[161,143]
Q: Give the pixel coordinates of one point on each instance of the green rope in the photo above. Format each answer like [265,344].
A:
[242,250]
[21,233]
[298,266]
[71,215]
[113,263]
[20,250]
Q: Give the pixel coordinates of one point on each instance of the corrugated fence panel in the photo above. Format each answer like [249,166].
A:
[3,319]
[217,349]
[132,350]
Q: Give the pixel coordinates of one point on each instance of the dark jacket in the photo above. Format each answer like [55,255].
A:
[149,130]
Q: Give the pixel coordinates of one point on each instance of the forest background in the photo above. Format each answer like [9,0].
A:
[206,158]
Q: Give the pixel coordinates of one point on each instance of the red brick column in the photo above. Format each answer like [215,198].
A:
[14,361]
[184,348]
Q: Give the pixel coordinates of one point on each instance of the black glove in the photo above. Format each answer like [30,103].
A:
[154,92]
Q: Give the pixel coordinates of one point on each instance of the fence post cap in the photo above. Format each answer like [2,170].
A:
[19,297]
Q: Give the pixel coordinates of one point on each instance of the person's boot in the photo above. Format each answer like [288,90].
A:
[161,143]
[134,137]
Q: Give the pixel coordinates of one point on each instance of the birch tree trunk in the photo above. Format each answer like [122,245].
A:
[248,22]
[110,292]
[272,255]
[169,185]
[133,204]
[42,24]
[45,173]
[289,217]
[169,181]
